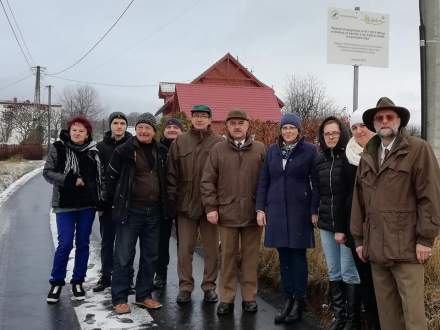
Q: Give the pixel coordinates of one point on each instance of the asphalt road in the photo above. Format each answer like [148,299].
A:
[26,251]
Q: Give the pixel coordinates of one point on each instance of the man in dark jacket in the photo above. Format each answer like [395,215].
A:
[395,214]
[137,189]
[173,128]
[187,158]
[116,136]
[228,186]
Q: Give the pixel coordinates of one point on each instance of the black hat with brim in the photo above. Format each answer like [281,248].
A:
[385,103]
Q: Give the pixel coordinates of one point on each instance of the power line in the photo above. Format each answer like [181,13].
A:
[15,36]
[19,31]
[158,29]
[15,82]
[98,42]
[104,83]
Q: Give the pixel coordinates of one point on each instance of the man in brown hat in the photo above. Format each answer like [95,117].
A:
[228,186]
[396,214]
[186,160]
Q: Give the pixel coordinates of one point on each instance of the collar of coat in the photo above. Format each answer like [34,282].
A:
[108,139]
[246,145]
[371,152]
[129,148]
[201,133]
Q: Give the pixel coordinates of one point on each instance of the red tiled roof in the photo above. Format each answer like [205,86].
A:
[259,102]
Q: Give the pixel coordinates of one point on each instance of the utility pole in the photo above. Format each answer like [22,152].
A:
[49,100]
[430,44]
[37,85]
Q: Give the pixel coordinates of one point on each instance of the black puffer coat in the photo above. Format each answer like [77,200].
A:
[332,170]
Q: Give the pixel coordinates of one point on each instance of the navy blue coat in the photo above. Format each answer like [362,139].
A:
[287,196]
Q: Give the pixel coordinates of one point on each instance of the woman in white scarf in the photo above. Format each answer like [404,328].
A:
[355,147]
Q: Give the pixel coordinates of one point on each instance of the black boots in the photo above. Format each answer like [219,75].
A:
[288,305]
[297,310]
[337,303]
[352,295]
[103,283]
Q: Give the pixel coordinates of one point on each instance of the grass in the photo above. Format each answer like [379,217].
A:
[269,271]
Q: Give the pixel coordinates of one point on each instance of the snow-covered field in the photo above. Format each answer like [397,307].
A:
[12,170]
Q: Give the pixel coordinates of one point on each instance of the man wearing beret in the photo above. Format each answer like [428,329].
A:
[172,129]
[187,158]
[229,185]
[137,189]
[116,136]
[396,214]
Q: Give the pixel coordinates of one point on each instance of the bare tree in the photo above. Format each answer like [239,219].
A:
[7,120]
[81,100]
[306,97]
[131,117]
[30,123]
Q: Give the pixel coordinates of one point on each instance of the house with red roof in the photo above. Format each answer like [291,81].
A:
[224,86]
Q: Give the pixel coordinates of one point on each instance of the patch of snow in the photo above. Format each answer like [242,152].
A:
[11,171]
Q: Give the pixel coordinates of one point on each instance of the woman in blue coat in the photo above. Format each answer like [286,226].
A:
[285,204]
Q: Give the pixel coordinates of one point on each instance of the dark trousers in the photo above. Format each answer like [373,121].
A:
[164,246]
[70,225]
[142,224]
[293,268]
[368,297]
[108,232]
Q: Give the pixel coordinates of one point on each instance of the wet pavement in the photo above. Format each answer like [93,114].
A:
[26,252]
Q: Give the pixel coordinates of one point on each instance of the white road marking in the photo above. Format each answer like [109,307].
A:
[96,310]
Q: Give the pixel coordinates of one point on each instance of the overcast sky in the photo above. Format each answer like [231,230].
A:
[176,40]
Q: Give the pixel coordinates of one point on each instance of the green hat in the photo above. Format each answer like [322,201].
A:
[237,114]
[385,103]
[202,108]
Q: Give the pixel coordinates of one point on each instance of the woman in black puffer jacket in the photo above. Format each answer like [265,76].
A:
[331,170]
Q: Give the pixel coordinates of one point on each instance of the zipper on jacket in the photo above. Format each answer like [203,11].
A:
[331,189]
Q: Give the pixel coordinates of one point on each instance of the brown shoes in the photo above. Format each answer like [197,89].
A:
[122,309]
[149,303]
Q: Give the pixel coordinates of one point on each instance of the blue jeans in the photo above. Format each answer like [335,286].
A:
[293,268]
[340,262]
[142,224]
[70,224]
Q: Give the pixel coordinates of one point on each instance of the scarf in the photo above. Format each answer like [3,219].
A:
[286,149]
[72,163]
[353,152]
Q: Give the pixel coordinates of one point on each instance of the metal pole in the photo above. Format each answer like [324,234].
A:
[355,86]
[356,78]
[430,19]
[49,98]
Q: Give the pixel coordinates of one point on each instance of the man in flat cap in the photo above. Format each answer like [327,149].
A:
[187,158]
[396,214]
[229,185]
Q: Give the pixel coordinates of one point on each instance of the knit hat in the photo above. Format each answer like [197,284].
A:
[146,118]
[202,108]
[116,115]
[292,119]
[237,114]
[356,117]
[174,121]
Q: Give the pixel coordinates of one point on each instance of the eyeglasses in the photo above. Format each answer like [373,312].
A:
[200,115]
[380,117]
[331,134]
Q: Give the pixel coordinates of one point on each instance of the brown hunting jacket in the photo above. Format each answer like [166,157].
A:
[187,157]
[397,205]
[230,179]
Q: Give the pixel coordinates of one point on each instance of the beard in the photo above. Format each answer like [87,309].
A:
[388,132]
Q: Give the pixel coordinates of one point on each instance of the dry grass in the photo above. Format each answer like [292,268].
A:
[269,271]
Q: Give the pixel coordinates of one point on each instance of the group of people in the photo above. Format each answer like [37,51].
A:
[373,197]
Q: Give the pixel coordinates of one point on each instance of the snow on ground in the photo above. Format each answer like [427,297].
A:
[10,170]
